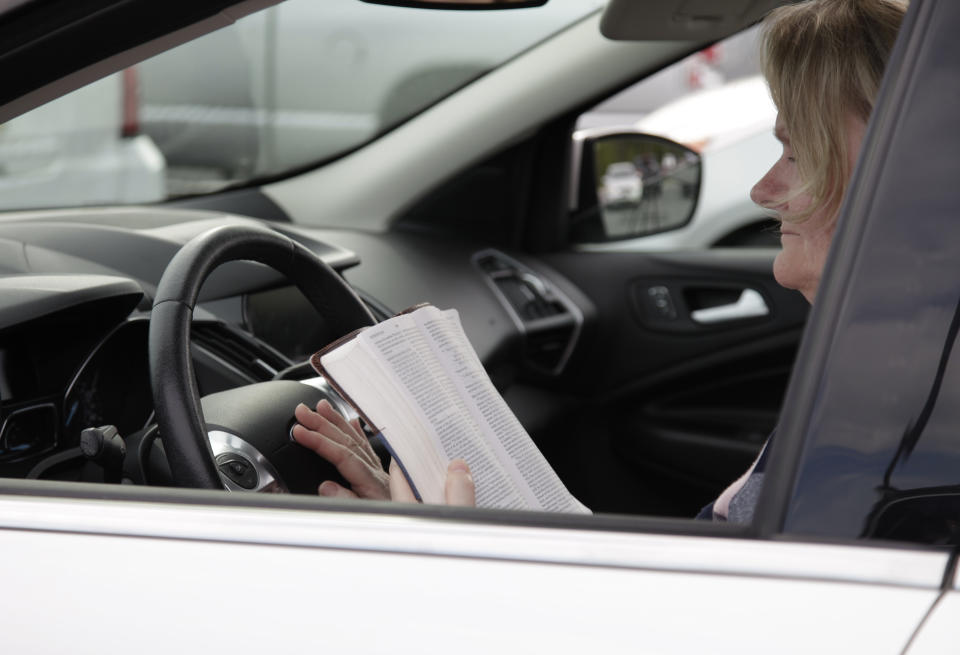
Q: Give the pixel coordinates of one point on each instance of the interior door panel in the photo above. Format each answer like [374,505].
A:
[683,370]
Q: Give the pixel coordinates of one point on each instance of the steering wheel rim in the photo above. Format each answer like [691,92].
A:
[175,393]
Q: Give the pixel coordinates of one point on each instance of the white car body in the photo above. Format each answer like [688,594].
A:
[71,151]
[267,577]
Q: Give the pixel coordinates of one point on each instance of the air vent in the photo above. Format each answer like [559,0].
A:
[549,320]
[252,359]
[526,293]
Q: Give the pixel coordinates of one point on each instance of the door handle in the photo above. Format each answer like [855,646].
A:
[750,304]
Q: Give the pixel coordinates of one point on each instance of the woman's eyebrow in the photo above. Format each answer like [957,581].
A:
[781,134]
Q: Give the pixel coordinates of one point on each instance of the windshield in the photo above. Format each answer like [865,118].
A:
[291,86]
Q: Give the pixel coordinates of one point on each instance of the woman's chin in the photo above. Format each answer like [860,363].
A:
[785,269]
[790,273]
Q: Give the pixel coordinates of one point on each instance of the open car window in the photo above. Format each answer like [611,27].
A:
[669,383]
[716,105]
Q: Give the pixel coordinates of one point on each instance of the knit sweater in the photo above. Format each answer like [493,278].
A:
[737,502]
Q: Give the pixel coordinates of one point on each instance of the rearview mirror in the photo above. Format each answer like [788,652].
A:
[628,184]
[460,4]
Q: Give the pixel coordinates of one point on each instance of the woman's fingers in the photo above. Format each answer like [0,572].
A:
[326,410]
[366,478]
[400,491]
[351,428]
[355,424]
[325,428]
[331,489]
[459,489]
[344,445]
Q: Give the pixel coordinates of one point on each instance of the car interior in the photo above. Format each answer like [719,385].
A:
[175,319]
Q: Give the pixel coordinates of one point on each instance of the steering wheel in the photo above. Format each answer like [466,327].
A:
[249,426]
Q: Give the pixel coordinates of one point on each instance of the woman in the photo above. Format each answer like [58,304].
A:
[823,60]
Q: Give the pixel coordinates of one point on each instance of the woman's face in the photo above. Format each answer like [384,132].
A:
[804,244]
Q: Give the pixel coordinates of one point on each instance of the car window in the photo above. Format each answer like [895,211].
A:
[121,102]
[296,84]
[715,103]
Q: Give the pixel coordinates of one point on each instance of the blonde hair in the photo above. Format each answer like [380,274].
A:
[824,60]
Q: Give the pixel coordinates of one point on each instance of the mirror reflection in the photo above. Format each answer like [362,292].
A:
[644,184]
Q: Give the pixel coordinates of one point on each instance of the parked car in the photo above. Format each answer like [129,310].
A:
[115,315]
[85,148]
[621,184]
[279,90]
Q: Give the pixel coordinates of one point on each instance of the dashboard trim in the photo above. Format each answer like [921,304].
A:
[546,290]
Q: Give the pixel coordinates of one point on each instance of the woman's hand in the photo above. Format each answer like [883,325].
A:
[459,489]
[345,445]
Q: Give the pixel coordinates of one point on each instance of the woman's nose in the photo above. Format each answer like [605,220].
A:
[767,192]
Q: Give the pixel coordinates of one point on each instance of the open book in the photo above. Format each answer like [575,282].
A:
[416,379]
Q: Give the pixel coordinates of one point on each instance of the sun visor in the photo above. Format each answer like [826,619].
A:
[680,20]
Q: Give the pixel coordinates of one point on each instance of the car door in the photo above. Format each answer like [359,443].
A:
[683,403]
[284,575]
[938,632]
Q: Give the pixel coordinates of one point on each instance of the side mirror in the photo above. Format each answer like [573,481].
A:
[628,184]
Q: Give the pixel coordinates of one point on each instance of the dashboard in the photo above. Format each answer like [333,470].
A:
[75,298]
[63,373]
[563,336]
[66,361]
[75,294]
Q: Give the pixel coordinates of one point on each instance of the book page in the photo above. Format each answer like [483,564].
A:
[372,388]
[432,395]
[511,444]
